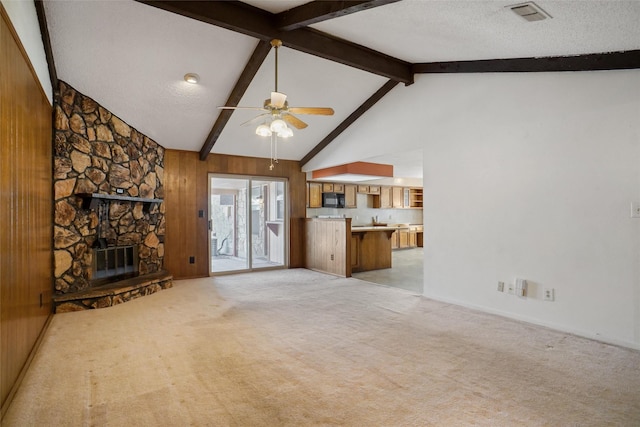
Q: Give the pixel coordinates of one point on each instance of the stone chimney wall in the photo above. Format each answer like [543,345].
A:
[97,152]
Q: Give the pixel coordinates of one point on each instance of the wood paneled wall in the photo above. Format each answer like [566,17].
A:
[25,208]
[186,195]
[328,245]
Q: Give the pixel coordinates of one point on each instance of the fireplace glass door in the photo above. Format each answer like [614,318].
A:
[247,223]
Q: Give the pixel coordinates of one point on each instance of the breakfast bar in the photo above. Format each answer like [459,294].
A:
[371,247]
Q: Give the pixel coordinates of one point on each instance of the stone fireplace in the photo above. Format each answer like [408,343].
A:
[109,216]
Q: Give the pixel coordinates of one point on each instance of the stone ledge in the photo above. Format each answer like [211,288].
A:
[113,293]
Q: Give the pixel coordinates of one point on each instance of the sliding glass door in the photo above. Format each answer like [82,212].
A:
[248,218]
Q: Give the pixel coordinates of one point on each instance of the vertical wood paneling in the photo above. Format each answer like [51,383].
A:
[25,208]
[328,245]
[186,193]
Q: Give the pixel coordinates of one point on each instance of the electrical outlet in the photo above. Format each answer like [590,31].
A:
[500,286]
[192,260]
[332,257]
[549,294]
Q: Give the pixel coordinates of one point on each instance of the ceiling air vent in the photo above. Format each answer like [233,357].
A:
[529,11]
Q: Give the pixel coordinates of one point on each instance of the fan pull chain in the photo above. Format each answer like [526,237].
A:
[272,137]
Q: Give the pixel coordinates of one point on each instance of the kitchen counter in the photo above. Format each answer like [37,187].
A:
[357,228]
[371,247]
[401,236]
[416,227]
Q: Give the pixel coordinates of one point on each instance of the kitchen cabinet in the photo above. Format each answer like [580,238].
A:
[327,187]
[338,188]
[413,238]
[394,240]
[383,200]
[397,197]
[385,197]
[350,196]
[415,197]
[407,237]
[315,195]
[374,189]
[403,241]
[363,189]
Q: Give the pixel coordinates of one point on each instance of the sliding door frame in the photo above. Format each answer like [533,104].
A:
[249,230]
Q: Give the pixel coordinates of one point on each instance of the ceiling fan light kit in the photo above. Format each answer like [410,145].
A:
[278,113]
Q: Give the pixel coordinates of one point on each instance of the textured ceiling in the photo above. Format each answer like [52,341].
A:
[132,57]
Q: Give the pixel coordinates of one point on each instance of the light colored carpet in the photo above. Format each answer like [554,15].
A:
[296,348]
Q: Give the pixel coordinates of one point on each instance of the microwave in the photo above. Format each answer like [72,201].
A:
[332,200]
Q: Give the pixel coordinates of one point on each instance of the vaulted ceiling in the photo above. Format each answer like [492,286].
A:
[355,57]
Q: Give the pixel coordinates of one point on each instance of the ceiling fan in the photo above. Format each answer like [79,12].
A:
[277,111]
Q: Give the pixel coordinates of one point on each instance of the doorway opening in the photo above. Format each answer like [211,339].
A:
[248,223]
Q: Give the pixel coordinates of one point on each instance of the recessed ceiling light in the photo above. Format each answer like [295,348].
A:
[192,78]
[529,11]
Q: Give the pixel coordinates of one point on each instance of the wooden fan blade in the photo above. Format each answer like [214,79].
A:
[255,119]
[294,121]
[312,110]
[240,108]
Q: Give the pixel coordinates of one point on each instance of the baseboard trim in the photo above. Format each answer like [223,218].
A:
[508,315]
[25,368]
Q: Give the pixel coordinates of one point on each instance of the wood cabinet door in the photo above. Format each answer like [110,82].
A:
[363,189]
[413,239]
[350,196]
[374,189]
[327,187]
[315,195]
[404,239]
[338,188]
[398,196]
[394,240]
[385,197]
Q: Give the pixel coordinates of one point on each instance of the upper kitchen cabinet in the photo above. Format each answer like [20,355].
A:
[415,197]
[315,194]
[397,200]
[384,199]
[350,191]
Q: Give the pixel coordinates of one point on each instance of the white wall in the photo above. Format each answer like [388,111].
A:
[24,19]
[532,175]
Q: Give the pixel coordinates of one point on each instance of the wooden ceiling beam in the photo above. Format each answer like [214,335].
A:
[46,41]
[245,19]
[257,58]
[592,62]
[386,88]
[318,11]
